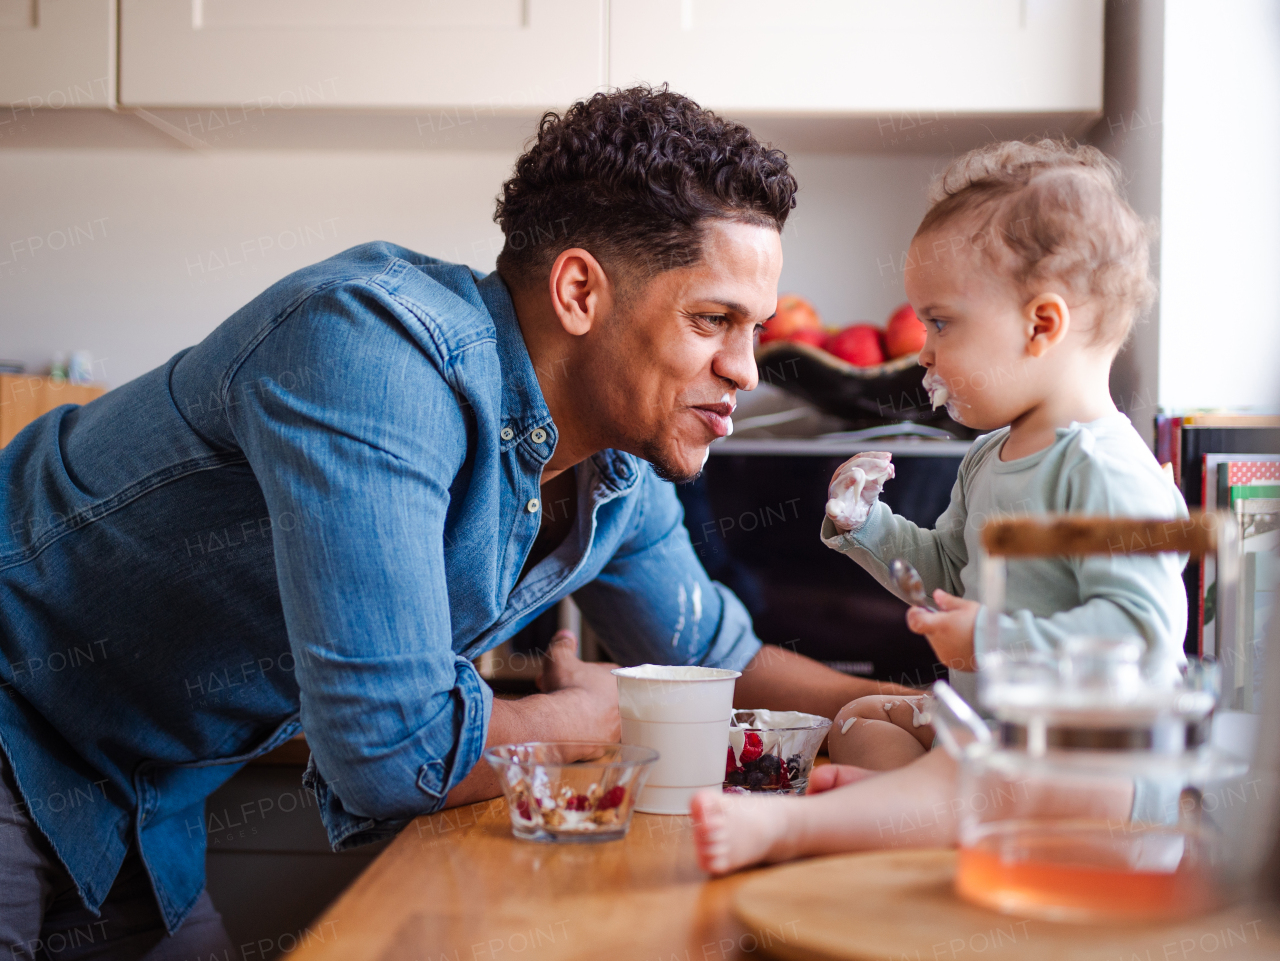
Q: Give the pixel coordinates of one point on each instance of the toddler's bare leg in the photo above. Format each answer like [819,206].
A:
[880,732]
[909,807]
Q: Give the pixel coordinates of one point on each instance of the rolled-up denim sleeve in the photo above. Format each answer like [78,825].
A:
[355,437]
[654,603]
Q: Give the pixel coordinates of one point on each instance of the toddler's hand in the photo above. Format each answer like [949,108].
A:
[855,486]
[949,630]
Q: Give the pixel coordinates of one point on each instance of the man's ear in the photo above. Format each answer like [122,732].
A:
[580,290]
[1048,318]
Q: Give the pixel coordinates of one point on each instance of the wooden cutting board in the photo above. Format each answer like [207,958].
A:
[899,906]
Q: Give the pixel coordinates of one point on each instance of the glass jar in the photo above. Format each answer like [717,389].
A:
[1090,790]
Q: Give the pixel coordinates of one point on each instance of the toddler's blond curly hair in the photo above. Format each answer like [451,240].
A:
[1052,210]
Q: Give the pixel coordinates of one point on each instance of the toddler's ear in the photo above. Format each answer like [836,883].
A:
[1048,318]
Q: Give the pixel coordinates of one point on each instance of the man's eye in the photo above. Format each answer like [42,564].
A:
[714,320]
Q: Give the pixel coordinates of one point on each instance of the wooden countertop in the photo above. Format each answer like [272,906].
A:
[457,886]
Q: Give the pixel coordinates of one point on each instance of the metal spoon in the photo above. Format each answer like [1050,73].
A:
[908,583]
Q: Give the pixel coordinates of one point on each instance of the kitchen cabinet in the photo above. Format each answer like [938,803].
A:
[57,53]
[264,54]
[269,867]
[865,56]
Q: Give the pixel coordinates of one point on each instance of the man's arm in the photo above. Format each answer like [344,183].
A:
[580,703]
[355,438]
[781,680]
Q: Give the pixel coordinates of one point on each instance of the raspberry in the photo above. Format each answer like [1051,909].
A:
[579,802]
[522,808]
[612,798]
[753,746]
[730,764]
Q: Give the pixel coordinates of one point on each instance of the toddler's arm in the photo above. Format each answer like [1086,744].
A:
[938,555]
[1132,594]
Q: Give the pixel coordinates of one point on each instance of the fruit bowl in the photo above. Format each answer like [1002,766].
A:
[575,791]
[772,752]
[865,396]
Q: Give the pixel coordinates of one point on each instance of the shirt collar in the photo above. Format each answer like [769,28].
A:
[523,406]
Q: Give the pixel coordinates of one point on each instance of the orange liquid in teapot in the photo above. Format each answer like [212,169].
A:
[1086,872]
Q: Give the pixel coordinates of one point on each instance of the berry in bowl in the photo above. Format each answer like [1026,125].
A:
[576,791]
[772,752]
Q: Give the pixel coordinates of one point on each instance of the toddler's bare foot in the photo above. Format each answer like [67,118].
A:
[732,831]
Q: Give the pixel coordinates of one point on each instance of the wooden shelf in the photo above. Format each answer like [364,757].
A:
[24,397]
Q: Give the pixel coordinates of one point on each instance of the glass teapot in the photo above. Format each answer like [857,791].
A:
[1093,793]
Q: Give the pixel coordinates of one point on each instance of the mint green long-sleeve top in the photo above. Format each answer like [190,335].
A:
[1098,468]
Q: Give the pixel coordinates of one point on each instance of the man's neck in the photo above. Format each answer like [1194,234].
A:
[550,352]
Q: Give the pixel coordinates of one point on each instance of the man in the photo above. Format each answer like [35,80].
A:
[323,513]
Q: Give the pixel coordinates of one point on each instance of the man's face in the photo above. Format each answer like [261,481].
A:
[678,347]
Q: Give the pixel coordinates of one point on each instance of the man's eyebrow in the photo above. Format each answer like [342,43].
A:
[733,307]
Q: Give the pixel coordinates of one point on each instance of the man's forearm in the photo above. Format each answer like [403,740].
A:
[558,716]
[782,680]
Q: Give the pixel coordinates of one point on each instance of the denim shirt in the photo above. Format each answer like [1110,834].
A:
[316,518]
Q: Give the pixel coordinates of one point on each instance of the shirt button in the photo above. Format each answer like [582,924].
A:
[532,506]
[539,435]
[507,433]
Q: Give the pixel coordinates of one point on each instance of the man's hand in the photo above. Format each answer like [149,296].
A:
[579,703]
[950,630]
[831,776]
[595,688]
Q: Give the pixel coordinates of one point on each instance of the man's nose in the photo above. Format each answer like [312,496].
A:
[736,363]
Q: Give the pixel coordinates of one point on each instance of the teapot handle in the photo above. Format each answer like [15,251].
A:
[958,725]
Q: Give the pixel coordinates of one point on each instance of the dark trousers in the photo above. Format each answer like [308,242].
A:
[42,917]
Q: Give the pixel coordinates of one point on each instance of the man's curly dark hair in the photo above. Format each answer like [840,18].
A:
[632,176]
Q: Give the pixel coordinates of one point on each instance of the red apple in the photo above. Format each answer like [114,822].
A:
[859,345]
[818,338]
[905,333]
[794,313]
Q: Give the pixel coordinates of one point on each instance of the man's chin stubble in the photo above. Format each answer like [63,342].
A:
[664,468]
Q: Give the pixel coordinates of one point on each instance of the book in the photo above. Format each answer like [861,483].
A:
[1226,481]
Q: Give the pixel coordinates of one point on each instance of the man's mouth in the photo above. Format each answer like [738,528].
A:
[718,416]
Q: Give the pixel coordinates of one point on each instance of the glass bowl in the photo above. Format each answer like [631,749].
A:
[575,791]
[772,752]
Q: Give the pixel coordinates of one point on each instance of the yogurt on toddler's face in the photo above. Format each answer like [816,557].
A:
[937,388]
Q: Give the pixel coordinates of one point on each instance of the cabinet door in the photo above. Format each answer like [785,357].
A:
[360,53]
[57,53]
[865,56]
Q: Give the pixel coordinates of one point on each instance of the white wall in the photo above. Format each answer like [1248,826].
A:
[135,254]
[1220,258]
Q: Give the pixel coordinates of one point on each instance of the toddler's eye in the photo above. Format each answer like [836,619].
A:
[937,324]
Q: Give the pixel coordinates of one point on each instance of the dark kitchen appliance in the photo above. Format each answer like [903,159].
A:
[754,518]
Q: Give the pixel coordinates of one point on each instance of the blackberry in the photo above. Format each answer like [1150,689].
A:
[756,781]
[736,778]
[770,765]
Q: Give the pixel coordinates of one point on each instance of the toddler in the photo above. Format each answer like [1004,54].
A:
[1028,271]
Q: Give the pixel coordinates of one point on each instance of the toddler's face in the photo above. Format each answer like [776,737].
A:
[976,343]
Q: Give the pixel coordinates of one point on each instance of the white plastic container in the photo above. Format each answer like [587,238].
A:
[682,713]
